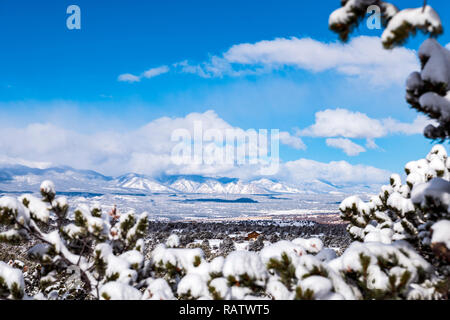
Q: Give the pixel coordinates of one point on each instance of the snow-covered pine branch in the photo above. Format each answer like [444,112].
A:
[399,24]
[417,212]
[100,249]
[427,91]
[11,282]
[352,12]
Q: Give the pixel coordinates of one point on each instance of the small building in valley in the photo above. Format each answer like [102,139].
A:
[253,236]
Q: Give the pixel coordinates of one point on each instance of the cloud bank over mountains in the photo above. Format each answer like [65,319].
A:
[148,149]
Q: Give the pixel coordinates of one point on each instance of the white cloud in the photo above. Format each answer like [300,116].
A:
[448,46]
[7,161]
[147,149]
[344,123]
[370,143]
[349,124]
[350,148]
[151,73]
[128,77]
[416,127]
[292,141]
[219,67]
[363,57]
[331,123]
[155,72]
[337,172]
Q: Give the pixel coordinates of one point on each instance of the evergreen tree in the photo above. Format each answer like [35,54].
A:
[418,210]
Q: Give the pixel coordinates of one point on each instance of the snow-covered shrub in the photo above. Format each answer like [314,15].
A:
[173,241]
[440,240]
[175,261]
[382,271]
[298,270]
[227,246]
[119,291]
[417,212]
[245,270]
[11,282]
[100,249]
[219,289]
[158,289]
[192,286]
[404,211]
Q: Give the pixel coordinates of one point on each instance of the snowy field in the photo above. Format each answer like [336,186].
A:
[195,207]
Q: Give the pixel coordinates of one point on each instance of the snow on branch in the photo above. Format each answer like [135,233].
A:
[399,24]
[409,21]
[427,91]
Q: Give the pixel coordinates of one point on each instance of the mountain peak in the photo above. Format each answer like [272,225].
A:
[22,178]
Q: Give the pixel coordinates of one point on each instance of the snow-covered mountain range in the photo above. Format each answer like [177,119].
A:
[19,178]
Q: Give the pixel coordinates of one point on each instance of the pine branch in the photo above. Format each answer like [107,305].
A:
[424,5]
[33,230]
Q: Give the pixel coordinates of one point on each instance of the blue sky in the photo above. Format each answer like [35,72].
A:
[69,78]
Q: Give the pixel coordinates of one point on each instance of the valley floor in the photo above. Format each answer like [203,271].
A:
[217,238]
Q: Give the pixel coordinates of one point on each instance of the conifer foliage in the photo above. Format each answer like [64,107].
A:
[418,210]
[99,248]
[428,90]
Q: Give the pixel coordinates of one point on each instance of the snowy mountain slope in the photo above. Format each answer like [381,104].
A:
[138,182]
[230,186]
[185,185]
[276,187]
[22,178]
[209,185]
